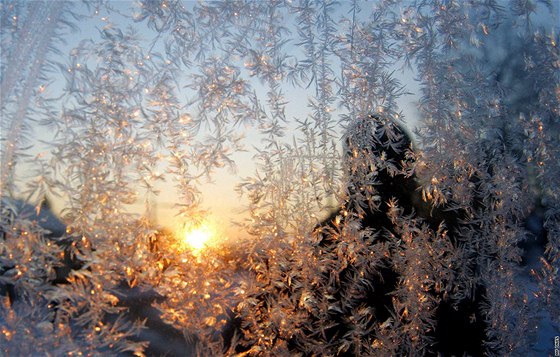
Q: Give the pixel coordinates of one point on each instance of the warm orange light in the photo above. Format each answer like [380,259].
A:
[198,237]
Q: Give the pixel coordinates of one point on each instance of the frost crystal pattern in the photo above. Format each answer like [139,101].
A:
[358,236]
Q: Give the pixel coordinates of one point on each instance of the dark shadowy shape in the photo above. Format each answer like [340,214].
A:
[163,339]
[43,216]
[53,229]
[533,247]
[460,326]
[380,171]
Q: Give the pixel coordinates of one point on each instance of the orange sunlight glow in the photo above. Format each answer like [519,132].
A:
[199,236]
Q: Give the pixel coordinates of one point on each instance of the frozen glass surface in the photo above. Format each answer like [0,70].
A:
[279,177]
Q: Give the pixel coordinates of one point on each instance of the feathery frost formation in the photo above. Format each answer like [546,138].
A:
[168,96]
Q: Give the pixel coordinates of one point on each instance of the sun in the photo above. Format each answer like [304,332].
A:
[197,238]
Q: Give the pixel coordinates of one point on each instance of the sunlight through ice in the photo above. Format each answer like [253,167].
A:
[197,238]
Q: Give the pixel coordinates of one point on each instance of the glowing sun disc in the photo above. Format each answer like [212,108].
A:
[198,238]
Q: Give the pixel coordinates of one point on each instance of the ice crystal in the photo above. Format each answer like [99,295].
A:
[157,100]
